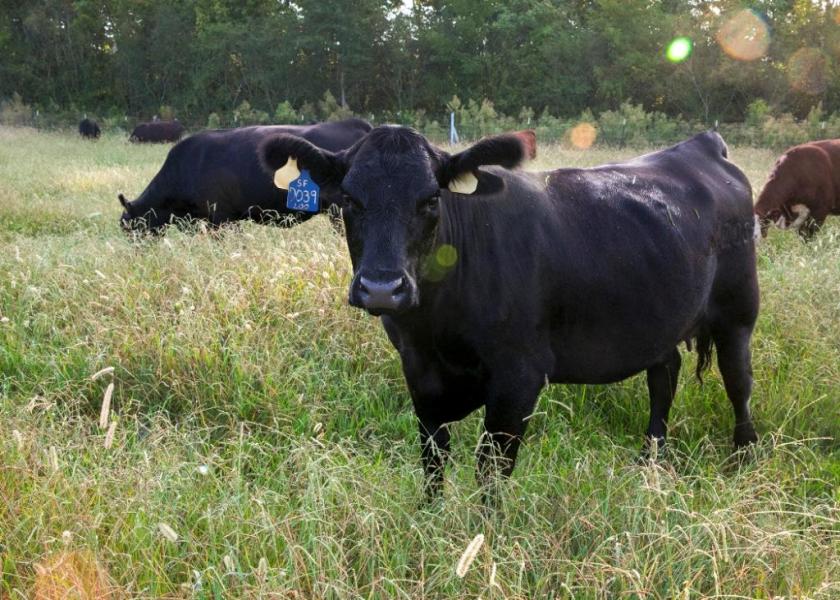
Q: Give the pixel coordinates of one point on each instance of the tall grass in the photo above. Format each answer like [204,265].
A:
[262,443]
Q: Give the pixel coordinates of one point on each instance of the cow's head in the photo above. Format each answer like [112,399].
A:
[763,221]
[390,184]
[793,217]
[128,220]
[150,221]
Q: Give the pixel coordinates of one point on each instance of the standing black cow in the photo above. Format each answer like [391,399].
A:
[567,276]
[88,128]
[216,176]
[158,132]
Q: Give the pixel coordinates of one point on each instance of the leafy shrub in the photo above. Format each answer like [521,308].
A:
[628,125]
[166,112]
[330,110]
[757,112]
[285,114]
[15,111]
[244,114]
[783,131]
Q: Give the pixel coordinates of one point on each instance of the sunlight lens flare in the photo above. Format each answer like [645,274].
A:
[806,71]
[744,36]
[583,136]
[446,255]
[679,49]
[441,262]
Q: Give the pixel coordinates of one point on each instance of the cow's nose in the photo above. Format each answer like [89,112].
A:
[382,295]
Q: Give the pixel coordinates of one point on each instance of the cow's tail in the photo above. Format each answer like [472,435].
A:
[704,352]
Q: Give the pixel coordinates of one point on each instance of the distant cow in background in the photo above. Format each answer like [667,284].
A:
[529,142]
[802,190]
[216,176]
[158,131]
[89,129]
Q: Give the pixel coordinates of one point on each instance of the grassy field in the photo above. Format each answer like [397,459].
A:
[261,443]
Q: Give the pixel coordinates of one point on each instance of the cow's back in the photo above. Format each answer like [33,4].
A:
[608,253]
[831,148]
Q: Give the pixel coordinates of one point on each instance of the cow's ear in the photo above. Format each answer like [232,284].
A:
[284,156]
[457,171]
[124,203]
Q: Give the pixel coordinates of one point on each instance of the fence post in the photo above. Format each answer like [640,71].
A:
[453,133]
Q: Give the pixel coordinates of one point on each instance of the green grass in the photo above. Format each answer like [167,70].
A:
[266,422]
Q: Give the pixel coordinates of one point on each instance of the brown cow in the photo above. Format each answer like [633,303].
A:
[802,190]
[529,139]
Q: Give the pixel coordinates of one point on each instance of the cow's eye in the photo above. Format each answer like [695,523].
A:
[352,203]
[430,204]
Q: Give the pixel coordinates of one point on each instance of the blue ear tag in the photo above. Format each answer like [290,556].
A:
[303,194]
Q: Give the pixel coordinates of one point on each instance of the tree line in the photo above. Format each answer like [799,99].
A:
[399,61]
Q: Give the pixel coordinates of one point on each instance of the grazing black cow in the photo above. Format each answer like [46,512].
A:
[567,276]
[88,128]
[216,176]
[157,132]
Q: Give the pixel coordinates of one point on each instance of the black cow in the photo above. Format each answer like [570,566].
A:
[216,176]
[88,128]
[157,132]
[567,276]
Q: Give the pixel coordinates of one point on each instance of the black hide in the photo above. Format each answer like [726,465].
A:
[216,176]
[567,276]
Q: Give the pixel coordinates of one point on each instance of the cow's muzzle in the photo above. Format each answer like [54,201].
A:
[383,293]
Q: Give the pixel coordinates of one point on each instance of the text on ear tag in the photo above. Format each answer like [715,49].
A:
[466,183]
[286,174]
[303,194]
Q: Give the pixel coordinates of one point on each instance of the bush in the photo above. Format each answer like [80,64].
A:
[285,114]
[330,110]
[166,113]
[783,131]
[757,112]
[629,125]
[15,112]
[244,114]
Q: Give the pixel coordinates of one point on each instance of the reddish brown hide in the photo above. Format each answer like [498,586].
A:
[803,188]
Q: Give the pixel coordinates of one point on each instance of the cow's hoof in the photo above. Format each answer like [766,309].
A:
[740,458]
[745,435]
[654,449]
[432,496]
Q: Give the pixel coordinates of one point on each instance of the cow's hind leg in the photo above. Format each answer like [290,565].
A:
[732,314]
[734,362]
[662,386]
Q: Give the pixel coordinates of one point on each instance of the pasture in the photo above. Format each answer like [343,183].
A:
[261,443]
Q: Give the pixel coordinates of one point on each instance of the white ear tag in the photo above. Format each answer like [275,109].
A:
[286,174]
[465,184]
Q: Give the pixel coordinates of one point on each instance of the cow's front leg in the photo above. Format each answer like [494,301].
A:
[434,445]
[438,400]
[510,401]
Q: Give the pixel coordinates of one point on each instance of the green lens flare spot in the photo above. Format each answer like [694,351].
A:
[446,255]
[679,49]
